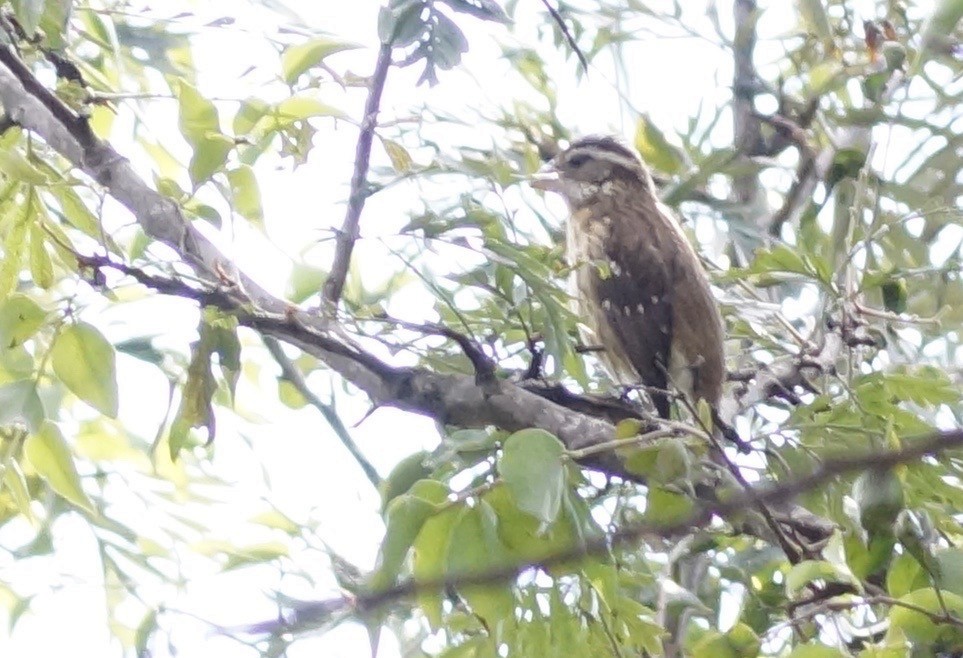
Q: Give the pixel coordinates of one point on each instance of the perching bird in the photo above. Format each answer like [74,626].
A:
[641,292]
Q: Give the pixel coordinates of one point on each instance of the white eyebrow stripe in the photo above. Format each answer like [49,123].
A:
[620,159]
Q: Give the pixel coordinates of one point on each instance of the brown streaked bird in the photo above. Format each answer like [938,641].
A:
[641,292]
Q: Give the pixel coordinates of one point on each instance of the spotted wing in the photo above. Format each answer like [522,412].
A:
[635,298]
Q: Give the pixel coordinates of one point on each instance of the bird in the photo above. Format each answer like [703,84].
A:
[640,291]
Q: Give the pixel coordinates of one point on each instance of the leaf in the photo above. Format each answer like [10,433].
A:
[655,148]
[19,401]
[474,548]
[20,318]
[16,166]
[248,115]
[430,558]
[195,409]
[807,571]
[404,518]
[403,476]
[302,106]
[399,156]
[487,10]
[84,361]
[879,498]
[817,651]
[300,57]
[209,157]
[246,194]
[41,267]
[201,127]
[949,571]
[666,507]
[19,220]
[532,466]
[917,626]
[15,483]
[54,21]
[28,14]
[49,455]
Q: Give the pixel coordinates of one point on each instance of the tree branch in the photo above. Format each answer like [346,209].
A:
[349,233]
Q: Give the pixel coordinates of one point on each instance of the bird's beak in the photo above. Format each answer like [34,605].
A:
[546,178]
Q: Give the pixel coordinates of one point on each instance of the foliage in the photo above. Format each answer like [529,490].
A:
[147,427]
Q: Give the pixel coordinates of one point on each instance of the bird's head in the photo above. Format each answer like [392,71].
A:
[589,166]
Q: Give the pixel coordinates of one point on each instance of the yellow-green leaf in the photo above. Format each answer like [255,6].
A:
[656,149]
[20,317]
[41,267]
[533,468]
[85,362]
[304,107]
[245,193]
[48,453]
[400,158]
[299,58]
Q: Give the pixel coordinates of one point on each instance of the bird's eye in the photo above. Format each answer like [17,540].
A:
[578,160]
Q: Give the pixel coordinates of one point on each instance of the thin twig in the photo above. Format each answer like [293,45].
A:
[334,285]
[293,374]
[557,17]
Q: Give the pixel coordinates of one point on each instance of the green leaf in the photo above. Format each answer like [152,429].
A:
[49,455]
[18,222]
[19,402]
[905,575]
[808,571]
[301,107]
[198,116]
[200,126]
[28,14]
[209,157]
[84,361]
[474,548]
[404,518]
[655,148]
[248,115]
[195,409]
[918,627]
[246,194]
[300,57]
[20,318]
[429,560]
[54,21]
[399,156]
[487,10]
[666,507]
[16,166]
[713,645]
[403,476]
[879,498]
[532,466]
[817,651]
[949,570]
[15,483]
[41,267]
